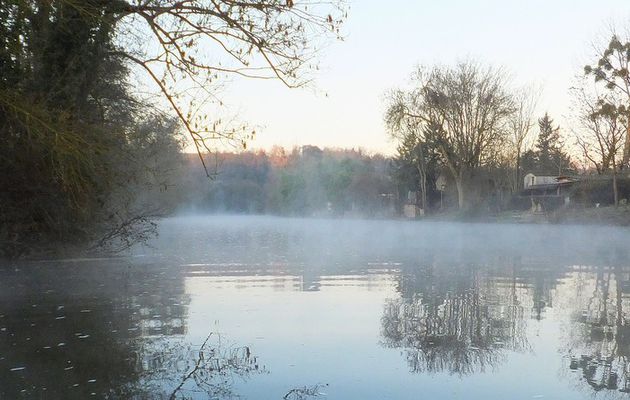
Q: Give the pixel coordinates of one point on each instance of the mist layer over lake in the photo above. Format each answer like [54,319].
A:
[262,308]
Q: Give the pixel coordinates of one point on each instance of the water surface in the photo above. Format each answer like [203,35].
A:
[263,308]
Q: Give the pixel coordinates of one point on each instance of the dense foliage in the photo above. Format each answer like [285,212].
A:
[83,156]
[72,133]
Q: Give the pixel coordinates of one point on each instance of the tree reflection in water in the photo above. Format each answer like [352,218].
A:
[304,393]
[465,319]
[454,320]
[180,370]
[108,330]
[598,341]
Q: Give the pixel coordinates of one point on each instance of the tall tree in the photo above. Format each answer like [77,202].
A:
[466,108]
[550,157]
[520,124]
[612,69]
[602,129]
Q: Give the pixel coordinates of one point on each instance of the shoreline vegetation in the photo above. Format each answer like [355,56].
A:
[600,216]
[607,216]
[604,217]
[91,156]
[99,98]
[309,182]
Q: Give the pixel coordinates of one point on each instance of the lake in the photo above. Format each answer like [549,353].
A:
[223,307]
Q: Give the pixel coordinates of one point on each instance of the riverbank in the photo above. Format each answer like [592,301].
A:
[605,216]
[602,216]
[610,215]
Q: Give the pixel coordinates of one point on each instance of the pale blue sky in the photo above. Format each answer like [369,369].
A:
[542,43]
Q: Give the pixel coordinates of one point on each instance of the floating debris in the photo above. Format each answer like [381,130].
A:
[61,344]
[17,369]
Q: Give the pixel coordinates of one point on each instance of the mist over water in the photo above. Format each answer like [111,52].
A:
[225,306]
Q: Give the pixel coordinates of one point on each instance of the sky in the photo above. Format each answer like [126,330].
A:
[540,43]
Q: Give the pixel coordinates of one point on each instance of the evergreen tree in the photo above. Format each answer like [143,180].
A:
[550,159]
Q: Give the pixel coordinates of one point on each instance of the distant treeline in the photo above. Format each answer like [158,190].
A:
[309,181]
[304,181]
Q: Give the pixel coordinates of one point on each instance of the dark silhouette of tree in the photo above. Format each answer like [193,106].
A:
[70,117]
[416,164]
[550,158]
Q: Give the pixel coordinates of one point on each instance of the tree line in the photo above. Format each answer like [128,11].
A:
[468,124]
[88,157]
[303,181]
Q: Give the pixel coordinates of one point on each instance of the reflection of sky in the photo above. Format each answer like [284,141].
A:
[308,297]
[332,336]
[303,337]
[245,278]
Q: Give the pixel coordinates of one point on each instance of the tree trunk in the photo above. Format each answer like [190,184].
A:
[422,173]
[423,187]
[615,188]
[461,195]
[517,185]
[626,148]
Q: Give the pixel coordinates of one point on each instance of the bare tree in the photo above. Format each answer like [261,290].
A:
[188,45]
[520,124]
[466,108]
[602,130]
